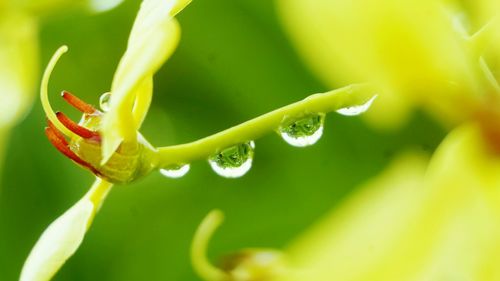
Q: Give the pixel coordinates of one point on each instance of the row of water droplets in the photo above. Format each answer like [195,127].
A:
[236,161]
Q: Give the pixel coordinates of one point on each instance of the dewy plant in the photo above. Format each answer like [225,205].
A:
[107,142]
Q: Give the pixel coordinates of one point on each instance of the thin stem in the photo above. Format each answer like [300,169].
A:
[202,237]
[318,103]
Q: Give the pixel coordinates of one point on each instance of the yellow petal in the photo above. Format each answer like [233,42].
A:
[412,223]
[409,49]
[103,5]
[63,237]
[44,7]
[487,13]
[18,67]
[154,36]
[351,240]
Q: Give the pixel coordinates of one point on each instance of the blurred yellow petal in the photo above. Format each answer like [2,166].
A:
[356,238]
[18,67]
[103,5]
[63,237]
[442,223]
[44,7]
[410,49]
[487,12]
[154,36]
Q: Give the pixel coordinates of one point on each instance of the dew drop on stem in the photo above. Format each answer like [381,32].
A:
[234,161]
[176,171]
[104,101]
[304,131]
[356,109]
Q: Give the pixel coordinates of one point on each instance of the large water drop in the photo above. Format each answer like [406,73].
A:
[104,101]
[357,109]
[176,171]
[304,131]
[233,162]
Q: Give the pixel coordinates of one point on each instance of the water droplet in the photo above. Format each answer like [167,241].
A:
[104,101]
[233,162]
[175,171]
[304,131]
[356,109]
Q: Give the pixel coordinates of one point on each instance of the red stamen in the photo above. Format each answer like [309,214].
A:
[58,134]
[61,145]
[78,103]
[75,128]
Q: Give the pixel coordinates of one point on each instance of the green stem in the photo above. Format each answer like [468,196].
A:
[318,103]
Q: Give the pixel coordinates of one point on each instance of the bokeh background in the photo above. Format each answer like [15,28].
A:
[234,63]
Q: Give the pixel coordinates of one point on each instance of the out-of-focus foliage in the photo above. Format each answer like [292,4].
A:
[234,62]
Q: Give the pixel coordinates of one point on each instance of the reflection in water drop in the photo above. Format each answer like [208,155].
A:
[175,171]
[357,109]
[304,131]
[104,101]
[233,162]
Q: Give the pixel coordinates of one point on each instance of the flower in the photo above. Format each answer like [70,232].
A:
[19,54]
[416,221]
[418,53]
[420,219]
[108,143]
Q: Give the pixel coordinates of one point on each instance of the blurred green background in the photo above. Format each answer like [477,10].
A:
[234,63]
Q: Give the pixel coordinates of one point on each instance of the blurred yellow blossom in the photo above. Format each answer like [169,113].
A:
[415,223]
[420,219]
[418,52]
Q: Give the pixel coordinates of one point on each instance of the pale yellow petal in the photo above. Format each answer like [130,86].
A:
[413,223]
[358,236]
[47,7]
[409,49]
[18,67]
[154,36]
[103,5]
[63,237]
[143,101]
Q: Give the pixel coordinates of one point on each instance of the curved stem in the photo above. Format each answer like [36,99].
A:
[318,103]
[200,244]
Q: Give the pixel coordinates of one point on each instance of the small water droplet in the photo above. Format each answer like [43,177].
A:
[356,109]
[176,171]
[233,162]
[304,131]
[104,101]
